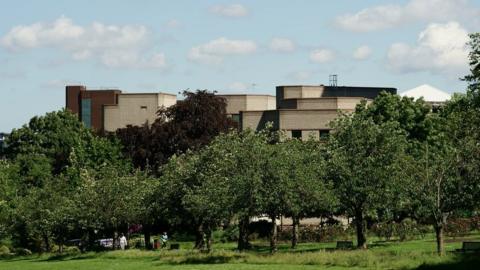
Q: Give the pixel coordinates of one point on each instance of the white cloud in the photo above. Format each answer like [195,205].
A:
[231,11]
[214,51]
[371,19]
[322,56]
[97,41]
[282,45]
[172,24]
[56,83]
[440,48]
[387,16]
[300,76]
[362,53]
[239,86]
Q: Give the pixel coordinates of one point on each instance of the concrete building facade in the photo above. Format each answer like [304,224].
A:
[239,103]
[301,111]
[304,111]
[109,110]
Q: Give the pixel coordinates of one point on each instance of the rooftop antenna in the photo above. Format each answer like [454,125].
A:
[333,79]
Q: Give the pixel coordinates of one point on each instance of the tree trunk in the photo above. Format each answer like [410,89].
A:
[439,235]
[208,234]
[199,239]
[147,236]
[243,243]
[273,234]
[115,239]
[46,242]
[295,227]
[360,226]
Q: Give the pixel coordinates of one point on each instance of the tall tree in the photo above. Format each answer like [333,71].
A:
[188,125]
[474,60]
[309,191]
[446,176]
[365,163]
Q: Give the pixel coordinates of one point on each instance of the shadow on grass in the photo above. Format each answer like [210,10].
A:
[462,262]
[69,257]
[283,249]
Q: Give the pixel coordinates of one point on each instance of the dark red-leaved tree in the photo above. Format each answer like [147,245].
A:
[188,125]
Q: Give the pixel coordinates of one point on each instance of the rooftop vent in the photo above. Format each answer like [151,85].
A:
[333,79]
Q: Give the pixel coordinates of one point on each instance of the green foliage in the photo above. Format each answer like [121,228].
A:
[474,56]
[366,165]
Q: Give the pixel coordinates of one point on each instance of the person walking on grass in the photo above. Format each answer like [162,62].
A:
[164,239]
[123,242]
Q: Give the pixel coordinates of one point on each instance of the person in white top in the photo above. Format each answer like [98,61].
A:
[123,242]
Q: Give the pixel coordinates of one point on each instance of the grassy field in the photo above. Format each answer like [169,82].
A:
[418,254]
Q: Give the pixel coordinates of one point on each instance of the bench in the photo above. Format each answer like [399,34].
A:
[344,244]
[470,247]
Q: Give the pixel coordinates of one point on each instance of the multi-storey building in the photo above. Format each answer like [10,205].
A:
[109,110]
[303,111]
[247,102]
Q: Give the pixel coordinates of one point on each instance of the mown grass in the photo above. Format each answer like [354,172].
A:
[417,254]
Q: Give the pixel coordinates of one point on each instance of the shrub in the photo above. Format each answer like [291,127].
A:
[72,250]
[230,234]
[4,251]
[285,234]
[383,230]
[459,227]
[137,242]
[23,252]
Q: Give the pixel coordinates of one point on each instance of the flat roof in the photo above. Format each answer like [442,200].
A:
[294,110]
[262,95]
[152,93]
[338,86]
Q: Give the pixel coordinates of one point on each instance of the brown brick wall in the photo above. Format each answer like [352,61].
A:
[72,97]
[98,99]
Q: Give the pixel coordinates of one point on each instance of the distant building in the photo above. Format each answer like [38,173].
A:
[430,94]
[303,111]
[299,110]
[237,103]
[109,110]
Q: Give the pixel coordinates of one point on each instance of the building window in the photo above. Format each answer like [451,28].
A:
[87,112]
[236,118]
[324,133]
[297,134]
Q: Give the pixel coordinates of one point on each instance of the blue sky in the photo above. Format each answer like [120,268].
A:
[228,46]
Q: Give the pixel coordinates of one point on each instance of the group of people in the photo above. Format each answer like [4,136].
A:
[123,241]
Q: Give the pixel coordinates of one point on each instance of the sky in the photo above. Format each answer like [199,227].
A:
[228,46]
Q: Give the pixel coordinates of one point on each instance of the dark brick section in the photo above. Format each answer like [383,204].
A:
[334,91]
[72,97]
[356,91]
[99,98]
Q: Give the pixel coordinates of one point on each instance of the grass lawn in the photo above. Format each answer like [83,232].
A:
[418,254]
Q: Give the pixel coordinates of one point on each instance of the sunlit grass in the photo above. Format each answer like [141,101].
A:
[381,255]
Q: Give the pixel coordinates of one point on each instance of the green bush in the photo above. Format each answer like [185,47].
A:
[137,242]
[4,251]
[72,250]
[326,233]
[230,234]
[459,227]
[405,230]
[22,252]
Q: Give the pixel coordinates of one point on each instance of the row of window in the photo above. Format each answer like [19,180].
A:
[323,133]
